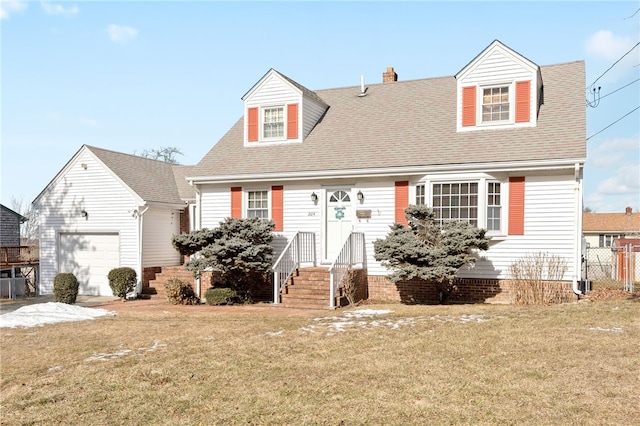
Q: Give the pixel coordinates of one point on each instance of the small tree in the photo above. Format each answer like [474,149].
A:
[164,153]
[429,250]
[239,248]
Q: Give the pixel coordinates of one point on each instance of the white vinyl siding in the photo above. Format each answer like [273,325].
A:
[159,225]
[107,202]
[312,111]
[216,206]
[549,227]
[498,67]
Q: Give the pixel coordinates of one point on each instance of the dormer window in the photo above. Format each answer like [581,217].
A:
[495,104]
[273,122]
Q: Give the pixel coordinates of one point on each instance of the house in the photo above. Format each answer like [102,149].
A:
[11,252]
[602,229]
[603,236]
[105,210]
[10,226]
[500,144]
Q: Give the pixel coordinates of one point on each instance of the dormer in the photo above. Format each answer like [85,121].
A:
[279,110]
[498,89]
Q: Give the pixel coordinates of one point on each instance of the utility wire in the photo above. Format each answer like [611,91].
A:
[635,109]
[617,90]
[614,64]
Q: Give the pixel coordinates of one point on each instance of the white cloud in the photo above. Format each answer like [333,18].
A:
[610,48]
[121,33]
[58,9]
[625,181]
[613,151]
[8,7]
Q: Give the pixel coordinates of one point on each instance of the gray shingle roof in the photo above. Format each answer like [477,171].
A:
[152,180]
[412,123]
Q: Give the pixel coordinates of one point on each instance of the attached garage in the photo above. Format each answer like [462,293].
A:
[90,257]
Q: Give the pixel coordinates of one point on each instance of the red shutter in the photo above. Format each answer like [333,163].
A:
[523,101]
[236,202]
[252,124]
[516,206]
[402,201]
[469,106]
[292,121]
[277,210]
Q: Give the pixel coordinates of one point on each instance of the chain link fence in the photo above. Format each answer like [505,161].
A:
[617,267]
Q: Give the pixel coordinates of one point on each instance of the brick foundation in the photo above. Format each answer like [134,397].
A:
[149,274]
[467,290]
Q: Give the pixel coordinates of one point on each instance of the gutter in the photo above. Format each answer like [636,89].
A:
[385,171]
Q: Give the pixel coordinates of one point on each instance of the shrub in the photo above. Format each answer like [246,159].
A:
[220,296]
[122,281]
[536,279]
[180,292]
[65,288]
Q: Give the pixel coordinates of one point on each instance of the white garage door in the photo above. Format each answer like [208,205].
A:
[89,257]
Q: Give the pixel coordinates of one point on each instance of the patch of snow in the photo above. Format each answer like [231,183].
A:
[156,345]
[607,330]
[49,313]
[107,356]
[274,333]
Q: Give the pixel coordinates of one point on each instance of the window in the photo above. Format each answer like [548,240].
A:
[456,201]
[258,204]
[494,211]
[495,104]
[606,240]
[273,122]
[420,195]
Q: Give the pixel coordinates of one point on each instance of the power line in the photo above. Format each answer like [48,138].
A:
[635,109]
[614,64]
[617,90]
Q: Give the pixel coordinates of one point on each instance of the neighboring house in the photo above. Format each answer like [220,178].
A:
[501,144]
[602,229]
[10,227]
[105,210]
[604,234]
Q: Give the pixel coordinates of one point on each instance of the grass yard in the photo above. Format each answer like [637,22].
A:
[576,363]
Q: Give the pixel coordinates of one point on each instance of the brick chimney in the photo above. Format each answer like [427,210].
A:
[627,211]
[389,76]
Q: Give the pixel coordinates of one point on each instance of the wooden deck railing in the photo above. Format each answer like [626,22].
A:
[14,255]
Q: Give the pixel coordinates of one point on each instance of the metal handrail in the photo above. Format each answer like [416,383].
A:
[301,249]
[352,253]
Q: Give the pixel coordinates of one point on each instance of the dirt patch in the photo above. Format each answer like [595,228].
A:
[611,293]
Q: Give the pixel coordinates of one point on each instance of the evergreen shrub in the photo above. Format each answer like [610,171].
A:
[220,296]
[122,281]
[65,288]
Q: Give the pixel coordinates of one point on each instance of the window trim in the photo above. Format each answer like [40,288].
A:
[480,104]
[483,186]
[245,202]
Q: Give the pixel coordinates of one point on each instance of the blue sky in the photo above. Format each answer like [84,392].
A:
[130,76]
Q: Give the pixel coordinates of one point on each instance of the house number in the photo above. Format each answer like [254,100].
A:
[312,214]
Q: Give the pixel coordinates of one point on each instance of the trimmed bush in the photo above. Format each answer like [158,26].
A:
[220,296]
[65,288]
[122,281]
[180,292]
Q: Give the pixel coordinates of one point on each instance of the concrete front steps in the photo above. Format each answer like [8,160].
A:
[156,290]
[308,288]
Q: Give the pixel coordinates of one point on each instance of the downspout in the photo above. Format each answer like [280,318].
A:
[578,228]
[197,225]
[140,242]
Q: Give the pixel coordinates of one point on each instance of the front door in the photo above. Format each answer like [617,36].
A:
[339,221]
